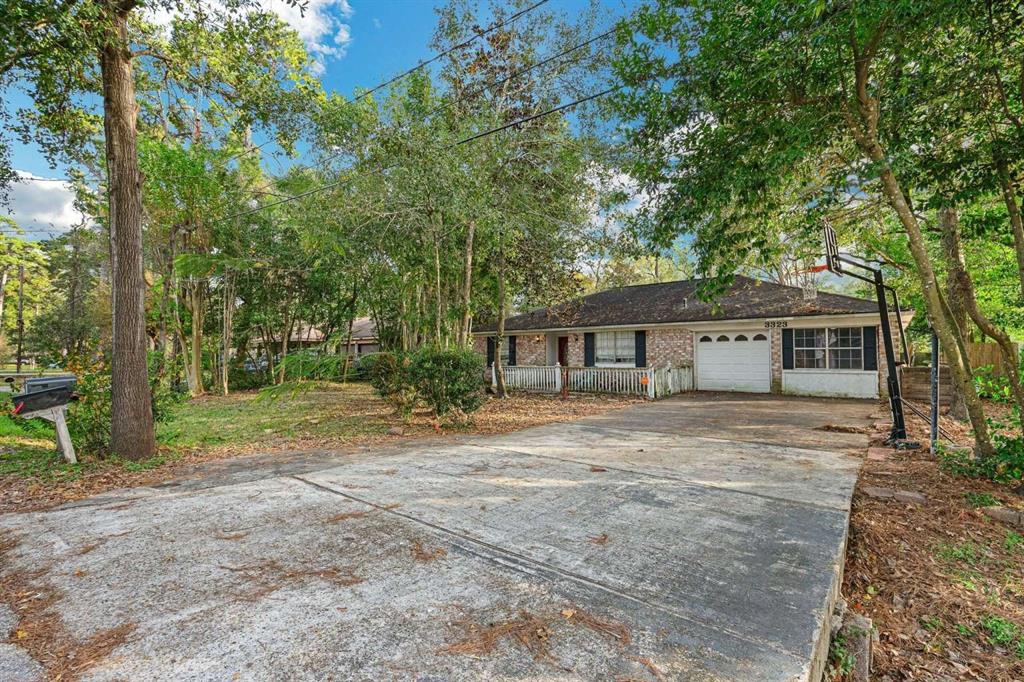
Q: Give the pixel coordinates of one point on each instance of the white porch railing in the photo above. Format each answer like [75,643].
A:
[652,382]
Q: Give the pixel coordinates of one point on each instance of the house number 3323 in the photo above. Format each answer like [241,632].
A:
[775,324]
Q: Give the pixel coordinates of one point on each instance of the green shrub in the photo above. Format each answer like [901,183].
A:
[448,380]
[389,375]
[89,416]
[363,366]
[991,386]
[1006,465]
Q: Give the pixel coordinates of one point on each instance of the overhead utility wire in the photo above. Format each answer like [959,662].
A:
[465,43]
[472,138]
[473,92]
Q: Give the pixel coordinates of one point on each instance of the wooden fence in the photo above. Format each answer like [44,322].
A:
[982,354]
[642,381]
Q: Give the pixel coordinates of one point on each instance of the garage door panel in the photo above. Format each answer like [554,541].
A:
[725,364]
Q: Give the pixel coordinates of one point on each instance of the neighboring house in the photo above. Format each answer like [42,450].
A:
[364,337]
[757,337]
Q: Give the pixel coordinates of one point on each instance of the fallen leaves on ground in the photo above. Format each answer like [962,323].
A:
[355,403]
[942,583]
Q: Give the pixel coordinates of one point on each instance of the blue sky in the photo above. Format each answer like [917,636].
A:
[360,43]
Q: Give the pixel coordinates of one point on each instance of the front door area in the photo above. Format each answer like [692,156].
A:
[563,351]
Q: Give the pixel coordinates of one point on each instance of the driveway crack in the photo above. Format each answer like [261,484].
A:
[523,564]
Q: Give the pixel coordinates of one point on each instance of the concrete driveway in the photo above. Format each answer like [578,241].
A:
[699,538]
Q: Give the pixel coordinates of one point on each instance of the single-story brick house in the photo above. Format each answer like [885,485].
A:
[756,337]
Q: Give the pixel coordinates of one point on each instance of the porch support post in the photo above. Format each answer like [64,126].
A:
[650,383]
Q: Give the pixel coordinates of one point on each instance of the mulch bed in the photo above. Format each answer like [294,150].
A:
[942,582]
[21,494]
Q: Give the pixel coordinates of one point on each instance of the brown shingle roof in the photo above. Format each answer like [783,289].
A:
[670,302]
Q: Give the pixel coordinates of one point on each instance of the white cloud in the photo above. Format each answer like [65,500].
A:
[377,23]
[39,204]
[321,24]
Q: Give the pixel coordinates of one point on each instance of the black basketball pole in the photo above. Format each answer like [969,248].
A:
[835,263]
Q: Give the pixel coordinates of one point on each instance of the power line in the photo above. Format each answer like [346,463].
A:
[472,138]
[465,43]
[419,66]
[473,92]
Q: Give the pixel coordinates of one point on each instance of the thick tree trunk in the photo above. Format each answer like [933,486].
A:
[950,224]
[499,340]
[348,340]
[131,430]
[949,335]
[1016,222]
[955,295]
[466,323]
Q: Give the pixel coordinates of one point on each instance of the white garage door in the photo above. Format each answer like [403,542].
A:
[733,361]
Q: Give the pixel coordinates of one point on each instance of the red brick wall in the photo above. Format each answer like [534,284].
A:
[775,349]
[530,351]
[669,346]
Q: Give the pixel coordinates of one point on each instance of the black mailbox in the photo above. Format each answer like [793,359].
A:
[26,403]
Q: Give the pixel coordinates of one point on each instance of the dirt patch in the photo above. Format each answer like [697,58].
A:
[345,516]
[267,577]
[943,583]
[601,539]
[420,553]
[844,428]
[40,630]
[609,628]
[532,631]
[528,629]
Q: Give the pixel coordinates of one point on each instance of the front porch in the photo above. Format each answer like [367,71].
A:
[650,382]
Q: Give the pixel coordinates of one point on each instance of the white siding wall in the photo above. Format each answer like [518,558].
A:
[831,383]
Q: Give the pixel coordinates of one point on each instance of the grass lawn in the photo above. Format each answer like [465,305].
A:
[318,417]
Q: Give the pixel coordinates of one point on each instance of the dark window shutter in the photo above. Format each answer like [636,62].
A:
[870,348]
[511,340]
[640,341]
[588,349]
[787,349]
[490,351]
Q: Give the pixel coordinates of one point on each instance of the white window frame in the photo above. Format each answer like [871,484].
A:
[621,359]
[827,348]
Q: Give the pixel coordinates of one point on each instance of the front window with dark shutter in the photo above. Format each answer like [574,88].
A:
[615,348]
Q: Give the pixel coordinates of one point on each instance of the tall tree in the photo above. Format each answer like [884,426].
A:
[70,50]
[728,110]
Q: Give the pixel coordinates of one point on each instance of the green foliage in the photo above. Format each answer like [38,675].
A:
[992,386]
[313,364]
[1013,542]
[389,374]
[1004,633]
[448,379]
[965,552]
[1006,465]
[89,416]
[981,499]
[841,659]
[363,366]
